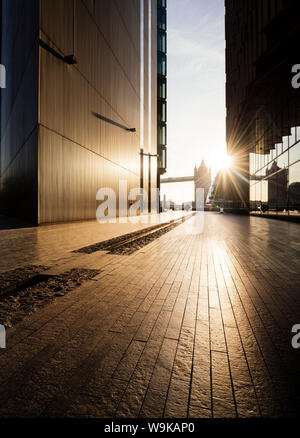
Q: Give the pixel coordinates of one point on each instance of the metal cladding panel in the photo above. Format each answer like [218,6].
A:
[92,153]
[58,114]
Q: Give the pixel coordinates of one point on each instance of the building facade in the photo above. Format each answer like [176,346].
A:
[263,106]
[80,104]
[162,87]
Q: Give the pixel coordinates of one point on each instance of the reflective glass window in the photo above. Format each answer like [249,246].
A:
[162,88]
[162,65]
[272,192]
[162,19]
[273,154]
[264,191]
[162,157]
[162,3]
[162,42]
[285,143]
[292,138]
[252,164]
[295,153]
[279,149]
[162,134]
[252,190]
[294,187]
[268,158]
[282,190]
[257,194]
[161,112]
[263,171]
[283,160]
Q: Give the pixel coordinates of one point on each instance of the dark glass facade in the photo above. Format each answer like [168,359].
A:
[162,3]
[162,18]
[162,87]
[275,177]
[162,157]
[162,111]
[162,42]
[263,108]
[162,64]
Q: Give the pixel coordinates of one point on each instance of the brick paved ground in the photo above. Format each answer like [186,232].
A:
[194,324]
[20,245]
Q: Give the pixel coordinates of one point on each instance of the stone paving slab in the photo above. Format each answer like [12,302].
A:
[196,324]
[46,244]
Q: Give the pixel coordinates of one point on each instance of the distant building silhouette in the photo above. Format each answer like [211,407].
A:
[202,176]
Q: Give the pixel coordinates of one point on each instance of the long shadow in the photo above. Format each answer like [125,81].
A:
[11,223]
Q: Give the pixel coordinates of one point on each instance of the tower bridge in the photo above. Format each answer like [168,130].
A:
[201,178]
[177,179]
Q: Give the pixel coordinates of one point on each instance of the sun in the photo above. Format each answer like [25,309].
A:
[222,162]
[227,163]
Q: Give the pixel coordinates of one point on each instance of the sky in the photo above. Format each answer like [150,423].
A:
[196,90]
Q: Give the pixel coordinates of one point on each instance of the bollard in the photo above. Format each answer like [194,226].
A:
[2,337]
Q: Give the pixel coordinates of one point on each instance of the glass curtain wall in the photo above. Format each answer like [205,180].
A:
[162,85]
[275,177]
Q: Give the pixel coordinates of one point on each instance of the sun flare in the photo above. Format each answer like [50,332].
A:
[222,162]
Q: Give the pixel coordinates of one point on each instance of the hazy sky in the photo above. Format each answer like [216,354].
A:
[196,86]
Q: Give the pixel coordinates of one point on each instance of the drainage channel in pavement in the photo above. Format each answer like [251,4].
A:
[132,245]
[23,291]
[132,242]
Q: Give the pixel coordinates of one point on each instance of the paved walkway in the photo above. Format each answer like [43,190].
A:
[195,324]
[20,245]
